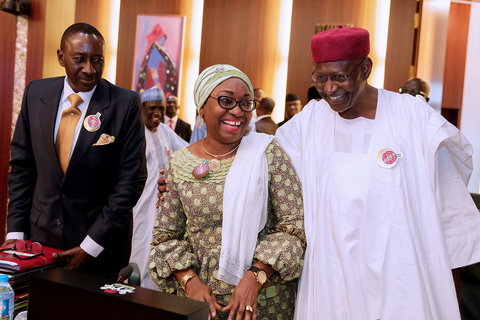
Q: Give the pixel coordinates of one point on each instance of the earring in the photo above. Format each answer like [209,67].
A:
[200,121]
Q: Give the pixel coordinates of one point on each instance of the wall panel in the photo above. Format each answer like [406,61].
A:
[453,77]
[7,62]
[400,46]
[36,34]
[59,14]
[243,34]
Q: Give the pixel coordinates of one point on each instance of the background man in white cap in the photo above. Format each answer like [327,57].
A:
[387,212]
[161,143]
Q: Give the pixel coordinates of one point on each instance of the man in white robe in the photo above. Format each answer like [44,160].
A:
[161,142]
[387,212]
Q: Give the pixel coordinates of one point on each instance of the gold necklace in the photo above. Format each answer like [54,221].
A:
[213,165]
[218,155]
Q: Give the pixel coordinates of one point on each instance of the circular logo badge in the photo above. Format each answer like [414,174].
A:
[201,170]
[92,123]
[388,158]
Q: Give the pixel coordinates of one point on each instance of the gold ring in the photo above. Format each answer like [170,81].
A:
[249,308]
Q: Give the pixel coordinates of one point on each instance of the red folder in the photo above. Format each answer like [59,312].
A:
[9,262]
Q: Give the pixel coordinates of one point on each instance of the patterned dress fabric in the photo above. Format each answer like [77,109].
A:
[188,232]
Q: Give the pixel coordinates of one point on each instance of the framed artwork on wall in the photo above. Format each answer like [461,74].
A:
[158,53]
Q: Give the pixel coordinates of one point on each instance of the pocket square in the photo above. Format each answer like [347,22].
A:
[104,139]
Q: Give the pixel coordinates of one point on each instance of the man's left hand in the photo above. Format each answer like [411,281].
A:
[75,257]
[8,242]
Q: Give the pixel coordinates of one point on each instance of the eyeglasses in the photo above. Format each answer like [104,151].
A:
[25,249]
[230,103]
[413,92]
[334,77]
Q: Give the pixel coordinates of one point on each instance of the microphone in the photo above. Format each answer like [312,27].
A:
[124,274]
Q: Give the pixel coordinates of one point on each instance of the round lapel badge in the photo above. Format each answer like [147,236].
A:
[92,122]
[387,158]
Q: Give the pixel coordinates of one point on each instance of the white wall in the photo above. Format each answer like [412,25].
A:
[470,118]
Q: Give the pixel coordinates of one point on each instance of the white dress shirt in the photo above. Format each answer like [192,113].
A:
[167,121]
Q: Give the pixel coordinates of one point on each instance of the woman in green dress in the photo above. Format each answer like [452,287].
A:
[230,230]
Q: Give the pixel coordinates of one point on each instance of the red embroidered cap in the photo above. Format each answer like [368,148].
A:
[340,44]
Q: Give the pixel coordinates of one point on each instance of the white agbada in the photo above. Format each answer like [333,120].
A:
[381,242]
[159,147]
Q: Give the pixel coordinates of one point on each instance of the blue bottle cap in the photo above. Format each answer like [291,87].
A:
[3,278]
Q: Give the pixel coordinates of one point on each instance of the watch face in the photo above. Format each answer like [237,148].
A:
[261,276]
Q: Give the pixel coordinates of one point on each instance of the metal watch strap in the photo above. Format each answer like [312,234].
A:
[185,279]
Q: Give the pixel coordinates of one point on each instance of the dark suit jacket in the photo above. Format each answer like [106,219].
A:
[183,129]
[102,183]
[266,125]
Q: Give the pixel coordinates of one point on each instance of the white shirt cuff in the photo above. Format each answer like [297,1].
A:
[91,247]
[15,235]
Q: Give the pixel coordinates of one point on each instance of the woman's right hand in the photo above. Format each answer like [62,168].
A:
[197,290]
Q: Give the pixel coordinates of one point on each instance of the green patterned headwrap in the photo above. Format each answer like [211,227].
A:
[211,77]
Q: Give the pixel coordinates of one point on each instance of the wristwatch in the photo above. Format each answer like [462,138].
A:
[185,279]
[260,274]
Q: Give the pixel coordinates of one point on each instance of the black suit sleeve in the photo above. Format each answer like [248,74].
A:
[188,130]
[131,177]
[23,175]
[183,129]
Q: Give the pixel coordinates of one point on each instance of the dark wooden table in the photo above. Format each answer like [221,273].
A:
[64,294]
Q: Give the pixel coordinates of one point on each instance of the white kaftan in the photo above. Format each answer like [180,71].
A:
[159,147]
[381,242]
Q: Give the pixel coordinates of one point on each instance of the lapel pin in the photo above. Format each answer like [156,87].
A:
[92,122]
[387,158]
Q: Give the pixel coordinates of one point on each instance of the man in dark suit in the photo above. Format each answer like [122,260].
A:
[293,105]
[72,185]
[171,119]
[264,122]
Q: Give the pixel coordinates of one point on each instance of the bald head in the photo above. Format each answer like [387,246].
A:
[416,86]
[266,106]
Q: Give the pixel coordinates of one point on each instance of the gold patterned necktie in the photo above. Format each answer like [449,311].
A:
[66,130]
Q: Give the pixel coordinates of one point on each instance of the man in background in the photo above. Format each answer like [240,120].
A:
[312,93]
[77,160]
[258,95]
[416,87]
[182,128]
[293,105]
[264,122]
[161,143]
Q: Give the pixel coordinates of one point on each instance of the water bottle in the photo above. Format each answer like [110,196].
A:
[6,298]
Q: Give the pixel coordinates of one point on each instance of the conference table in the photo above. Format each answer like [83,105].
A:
[66,294]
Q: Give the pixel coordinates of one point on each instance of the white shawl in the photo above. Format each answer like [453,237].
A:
[244,207]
